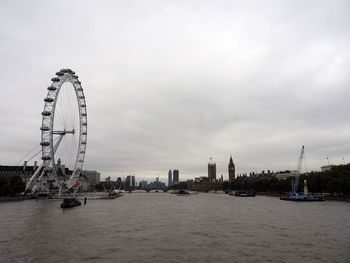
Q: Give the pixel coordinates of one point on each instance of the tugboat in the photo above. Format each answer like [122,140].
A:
[70,202]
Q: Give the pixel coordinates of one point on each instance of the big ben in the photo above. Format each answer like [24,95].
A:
[231,171]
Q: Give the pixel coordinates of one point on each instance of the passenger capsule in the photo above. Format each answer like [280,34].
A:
[64,70]
[59,73]
[51,88]
[45,128]
[46,113]
[75,76]
[83,105]
[81,161]
[48,99]
[46,158]
[84,124]
[83,133]
[55,79]
[80,89]
[81,97]
[77,82]
[82,152]
[83,114]
[44,143]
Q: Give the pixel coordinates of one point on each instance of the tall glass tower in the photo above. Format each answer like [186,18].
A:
[170,178]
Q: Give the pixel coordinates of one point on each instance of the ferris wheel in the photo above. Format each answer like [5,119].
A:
[63,133]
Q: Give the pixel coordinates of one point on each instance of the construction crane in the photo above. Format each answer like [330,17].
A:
[294,195]
[301,157]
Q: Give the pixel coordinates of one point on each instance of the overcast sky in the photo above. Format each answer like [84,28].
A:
[169,84]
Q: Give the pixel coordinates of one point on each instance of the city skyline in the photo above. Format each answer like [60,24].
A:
[171,84]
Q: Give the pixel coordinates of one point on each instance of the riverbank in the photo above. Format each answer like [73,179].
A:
[325,197]
[14,198]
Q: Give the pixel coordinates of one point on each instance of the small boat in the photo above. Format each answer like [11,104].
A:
[112,193]
[107,196]
[182,192]
[70,202]
[245,193]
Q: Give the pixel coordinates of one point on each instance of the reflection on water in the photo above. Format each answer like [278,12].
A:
[168,228]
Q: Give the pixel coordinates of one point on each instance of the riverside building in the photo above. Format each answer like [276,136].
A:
[212,171]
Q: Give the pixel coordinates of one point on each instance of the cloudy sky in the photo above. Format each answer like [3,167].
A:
[170,84]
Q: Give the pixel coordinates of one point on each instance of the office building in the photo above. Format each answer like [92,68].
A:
[175,176]
[170,178]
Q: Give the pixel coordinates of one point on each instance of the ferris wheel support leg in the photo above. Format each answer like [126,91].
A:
[41,175]
[33,176]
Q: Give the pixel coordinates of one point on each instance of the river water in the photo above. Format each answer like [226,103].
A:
[161,227]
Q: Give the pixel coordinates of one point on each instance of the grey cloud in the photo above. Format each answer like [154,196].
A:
[170,84]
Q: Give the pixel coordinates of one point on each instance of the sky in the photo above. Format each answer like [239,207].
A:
[170,84]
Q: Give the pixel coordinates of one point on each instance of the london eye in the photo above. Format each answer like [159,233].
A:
[63,134]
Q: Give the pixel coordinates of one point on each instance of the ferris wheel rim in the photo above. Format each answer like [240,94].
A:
[48,121]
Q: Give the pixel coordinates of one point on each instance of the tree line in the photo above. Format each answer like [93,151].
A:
[335,182]
[11,185]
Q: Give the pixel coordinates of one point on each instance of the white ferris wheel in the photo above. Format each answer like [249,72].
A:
[63,134]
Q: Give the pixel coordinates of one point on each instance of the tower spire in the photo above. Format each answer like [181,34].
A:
[231,170]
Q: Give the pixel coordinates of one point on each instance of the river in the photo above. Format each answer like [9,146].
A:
[161,227]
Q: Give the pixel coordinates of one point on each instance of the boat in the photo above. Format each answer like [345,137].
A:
[183,192]
[112,193]
[245,193]
[302,198]
[70,202]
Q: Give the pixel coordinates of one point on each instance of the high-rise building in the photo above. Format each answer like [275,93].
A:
[170,178]
[92,176]
[133,183]
[143,184]
[231,171]
[119,182]
[175,176]
[127,182]
[212,171]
